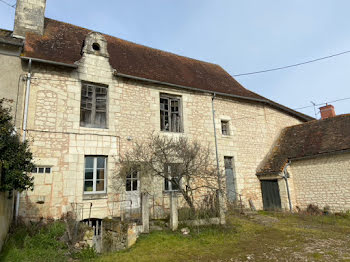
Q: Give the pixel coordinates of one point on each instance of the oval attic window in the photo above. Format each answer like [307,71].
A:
[96,46]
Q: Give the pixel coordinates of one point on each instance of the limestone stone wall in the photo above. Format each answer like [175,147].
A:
[57,140]
[322,181]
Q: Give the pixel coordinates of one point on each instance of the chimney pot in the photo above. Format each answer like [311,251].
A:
[327,111]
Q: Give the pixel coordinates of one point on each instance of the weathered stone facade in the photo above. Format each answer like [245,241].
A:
[322,181]
[58,140]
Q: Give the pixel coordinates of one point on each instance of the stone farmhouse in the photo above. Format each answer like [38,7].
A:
[88,96]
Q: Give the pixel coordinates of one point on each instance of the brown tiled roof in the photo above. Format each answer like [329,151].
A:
[63,43]
[6,38]
[309,139]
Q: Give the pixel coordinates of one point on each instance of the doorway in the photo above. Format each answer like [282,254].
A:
[270,194]
[230,179]
[133,190]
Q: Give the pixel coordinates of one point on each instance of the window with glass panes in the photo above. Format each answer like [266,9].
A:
[41,170]
[170,113]
[225,127]
[93,106]
[132,181]
[95,174]
[171,181]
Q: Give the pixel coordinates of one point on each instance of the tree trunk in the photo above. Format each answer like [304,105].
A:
[189,201]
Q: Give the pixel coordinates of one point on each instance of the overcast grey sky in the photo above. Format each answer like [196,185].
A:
[241,36]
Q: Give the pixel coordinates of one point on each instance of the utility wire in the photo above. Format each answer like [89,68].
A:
[293,65]
[13,6]
[299,108]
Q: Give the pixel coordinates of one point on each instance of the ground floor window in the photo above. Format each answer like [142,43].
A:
[95,174]
[41,170]
[171,180]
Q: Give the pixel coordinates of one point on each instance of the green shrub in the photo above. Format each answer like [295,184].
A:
[36,242]
[86,254]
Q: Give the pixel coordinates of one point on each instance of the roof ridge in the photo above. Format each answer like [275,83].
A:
[141,45]
[318,120]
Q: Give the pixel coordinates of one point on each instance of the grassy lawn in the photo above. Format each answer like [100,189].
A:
[266,237]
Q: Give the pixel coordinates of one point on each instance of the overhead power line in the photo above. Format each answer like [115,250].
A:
[293,65]
[13,6]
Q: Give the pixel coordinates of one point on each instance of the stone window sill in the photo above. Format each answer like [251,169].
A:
[95,196]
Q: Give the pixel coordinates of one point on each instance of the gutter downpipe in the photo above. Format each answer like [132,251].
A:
[219,192]
[25,119]
[285,177]
[216,142]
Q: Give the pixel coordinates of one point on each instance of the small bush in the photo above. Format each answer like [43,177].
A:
[85,254]
[313,210]
[35,242]
[187,214]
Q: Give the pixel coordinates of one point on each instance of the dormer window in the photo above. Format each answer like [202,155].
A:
[95,44]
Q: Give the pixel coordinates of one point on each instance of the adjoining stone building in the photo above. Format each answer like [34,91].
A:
[315,159]
[93,95]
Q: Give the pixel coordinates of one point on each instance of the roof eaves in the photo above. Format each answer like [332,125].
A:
[49,62]
[271,103]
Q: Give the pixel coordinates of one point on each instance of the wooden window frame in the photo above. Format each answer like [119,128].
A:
[94,178]
[171,98]
[92,123]
[227,124]
[36,170]
[132,179]
[168,180]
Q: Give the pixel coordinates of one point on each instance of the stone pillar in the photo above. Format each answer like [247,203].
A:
[220,203]
[145,212]
[174,216]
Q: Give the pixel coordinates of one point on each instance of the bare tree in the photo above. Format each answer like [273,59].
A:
[186,165]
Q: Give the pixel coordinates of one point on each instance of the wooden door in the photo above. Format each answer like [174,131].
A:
[270,194]
[230,180]
[133,190]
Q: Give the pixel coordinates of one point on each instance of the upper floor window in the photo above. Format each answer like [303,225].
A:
[95,174]
[93,107]
[225,127]
[170,113]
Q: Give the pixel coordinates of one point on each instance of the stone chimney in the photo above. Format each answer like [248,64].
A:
[29,17]
[327,111]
